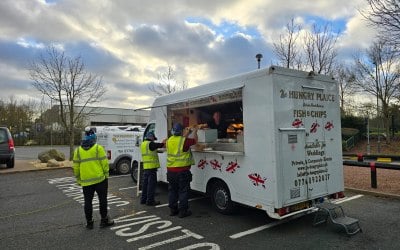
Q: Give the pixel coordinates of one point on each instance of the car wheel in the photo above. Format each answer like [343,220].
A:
[134,171]
[123,166]
[11,163]
[221,198]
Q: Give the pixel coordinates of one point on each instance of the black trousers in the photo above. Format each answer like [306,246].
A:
[149,185]
[178,189]
[88,193]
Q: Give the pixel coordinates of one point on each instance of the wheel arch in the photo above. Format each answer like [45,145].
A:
[220,194]
[211,182]
[122,157]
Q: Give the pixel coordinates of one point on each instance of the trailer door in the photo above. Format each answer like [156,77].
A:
[294,185]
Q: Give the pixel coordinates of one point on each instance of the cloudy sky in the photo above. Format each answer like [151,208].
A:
[128,42]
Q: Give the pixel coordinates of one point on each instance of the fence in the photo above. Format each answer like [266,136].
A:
[373,162]
[349,143]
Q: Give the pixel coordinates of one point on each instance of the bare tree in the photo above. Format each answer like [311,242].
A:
[317,51]
[320,50]
[366,109]
[377,72]
[18,116]
[347,88]
[167,83]
[286,48]
[66,82]
[385,16]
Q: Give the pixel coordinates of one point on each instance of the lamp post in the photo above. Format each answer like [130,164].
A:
[367,123]
[377,104]
[51,124]
[259,56]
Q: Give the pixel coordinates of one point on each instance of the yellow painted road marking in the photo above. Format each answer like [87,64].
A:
[382,159]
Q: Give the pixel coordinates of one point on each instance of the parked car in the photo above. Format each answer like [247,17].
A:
[7,149]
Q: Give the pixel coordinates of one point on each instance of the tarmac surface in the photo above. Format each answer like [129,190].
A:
[34,165]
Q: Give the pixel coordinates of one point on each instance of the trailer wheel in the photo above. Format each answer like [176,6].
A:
[134,171]
[123,166]
[221,198]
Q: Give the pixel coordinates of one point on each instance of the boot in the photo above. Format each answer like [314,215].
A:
[184,213]
[89,224]
[153,203]
[106,222]
[173,212]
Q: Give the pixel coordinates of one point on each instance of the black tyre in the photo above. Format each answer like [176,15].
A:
[123,166]
[11,163]
[221,198]
[134,171]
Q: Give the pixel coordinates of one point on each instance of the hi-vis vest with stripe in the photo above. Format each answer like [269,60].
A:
[90,166]
[176,156]
[149,158]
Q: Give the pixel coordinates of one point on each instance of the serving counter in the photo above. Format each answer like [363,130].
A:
[222,148]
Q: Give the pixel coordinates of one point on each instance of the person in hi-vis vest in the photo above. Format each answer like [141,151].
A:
[179,160]
[150,165]
[91,170]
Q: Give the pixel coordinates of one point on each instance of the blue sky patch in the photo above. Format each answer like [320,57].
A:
[226,29]
[51,1]
[338,25]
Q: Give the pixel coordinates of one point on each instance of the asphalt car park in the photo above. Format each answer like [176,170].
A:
[44,210]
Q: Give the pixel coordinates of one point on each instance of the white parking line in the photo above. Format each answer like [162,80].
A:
[260,228]
[348,199]
[194,199]
[276,223]
[128,188]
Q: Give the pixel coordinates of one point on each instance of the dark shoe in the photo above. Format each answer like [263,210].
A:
[89,224]
[142,202]
[153,203]
[106,222]
[173,212]
[184,213]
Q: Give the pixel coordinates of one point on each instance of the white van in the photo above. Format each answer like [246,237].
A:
[283,150]
[121,144]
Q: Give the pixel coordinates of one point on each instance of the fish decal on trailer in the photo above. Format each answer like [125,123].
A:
[329,125]
[216,165]
[257,179]
[232,166]
[297,123]
[202,164]
[314,127]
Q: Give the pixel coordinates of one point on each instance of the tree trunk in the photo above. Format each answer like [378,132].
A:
[71,143]
[387,129]
[386,122]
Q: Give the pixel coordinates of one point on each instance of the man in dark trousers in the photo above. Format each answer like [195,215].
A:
[150,165]
[179,160]
[91,170]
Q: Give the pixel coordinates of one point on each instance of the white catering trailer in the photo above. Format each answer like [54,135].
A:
[283,150]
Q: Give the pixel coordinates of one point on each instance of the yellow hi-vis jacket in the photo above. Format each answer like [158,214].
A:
[176,156]
[149,158]
[90,166]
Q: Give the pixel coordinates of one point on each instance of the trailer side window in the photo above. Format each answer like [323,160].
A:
[227,118]
[227,135]
[219,117]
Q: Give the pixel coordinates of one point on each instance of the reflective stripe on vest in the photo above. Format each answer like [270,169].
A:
[176,156]
[97,158]
[149,158]
[85,163]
